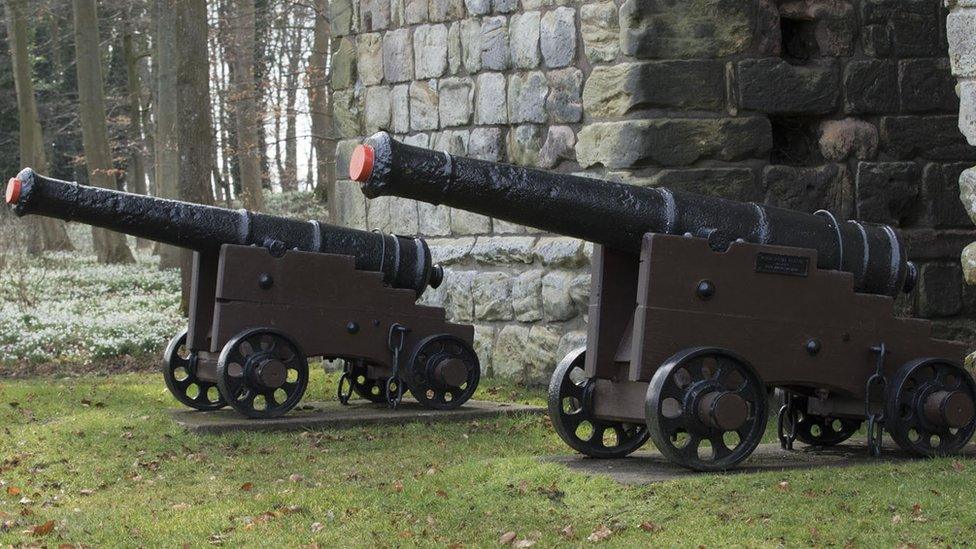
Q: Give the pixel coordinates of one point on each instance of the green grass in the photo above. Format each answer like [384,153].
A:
[100,458]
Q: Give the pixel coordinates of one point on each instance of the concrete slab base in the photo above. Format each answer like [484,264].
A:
[646,467]
[332,415]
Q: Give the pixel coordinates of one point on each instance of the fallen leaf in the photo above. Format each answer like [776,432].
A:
[86,491]
[13,491]
[441,493]
[522,544]
[523,486]
[601,533]
[317,527]
[783,486]
[917,509]
[247,486]
[507,538]
[649,526]
[958,466]
[568,532]
[398,485]
[181,506]
[43,529]
[296,477]
[896,519]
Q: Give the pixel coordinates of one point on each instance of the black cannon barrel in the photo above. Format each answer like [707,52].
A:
[618,215]
[404,261]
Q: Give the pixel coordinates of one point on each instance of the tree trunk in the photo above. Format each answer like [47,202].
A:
[44,233]
[289,180]
[110,247]
[137,171]
[167,162]
[320,105]
[245,106]
[193,115]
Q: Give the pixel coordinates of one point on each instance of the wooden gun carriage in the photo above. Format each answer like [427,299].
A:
[699,306]
[268,292]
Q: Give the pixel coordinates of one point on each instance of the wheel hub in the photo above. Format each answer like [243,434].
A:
[270,372]
[449,371]
[723,410]
[952,409]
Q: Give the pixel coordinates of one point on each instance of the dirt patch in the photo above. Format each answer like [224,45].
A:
[100,367]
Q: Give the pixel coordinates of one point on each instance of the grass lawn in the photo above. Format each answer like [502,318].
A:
[96,461]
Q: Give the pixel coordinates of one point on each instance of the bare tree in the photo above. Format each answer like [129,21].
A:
[44,233]
[320,105]
[137,170]
[167,162]
[247,118]
[110,246]
[289,180]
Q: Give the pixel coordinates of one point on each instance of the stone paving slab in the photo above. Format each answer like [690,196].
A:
[332,415]
[646,467]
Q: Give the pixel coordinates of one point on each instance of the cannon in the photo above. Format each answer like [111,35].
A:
[700,307]
[268,292]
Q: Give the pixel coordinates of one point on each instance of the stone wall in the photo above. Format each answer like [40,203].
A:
[961,32]
[848,105]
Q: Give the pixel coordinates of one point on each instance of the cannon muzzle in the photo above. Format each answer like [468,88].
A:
[618,215]
[404,261]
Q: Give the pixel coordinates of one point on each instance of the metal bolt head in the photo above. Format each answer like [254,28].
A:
[813,347]
[265,281]
[705,290]
[352,327]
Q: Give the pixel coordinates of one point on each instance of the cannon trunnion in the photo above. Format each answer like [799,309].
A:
[700,307]
[268,292]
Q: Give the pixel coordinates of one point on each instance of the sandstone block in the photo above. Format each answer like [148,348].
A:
[557,304]
[450,251]
[869,86]
[527,296]
[886,191]
[560,252]
[490,104]
[344,65]
[579,292]
[456,96]
[600,29]
[927,85]
[558,37]
[374,15]
[398,56]
[430,51]
[347,113]
[471,45]
[527,97]
[940,205]
[932,137]
[492,294]
[370,58]
[558,146]
[564,103]
[434,220]
[466,223]
[415,11]
[841,139]
[900,28]
[615,90]
[377,109]
[810,189]
[400,108]
[495,54]
[458,300]
[423,105]
[524,40]
[540,353]
[502,250]
[962,42]
[478,7]
[445,10]
[343,17]
[524,144]
[484,345]
[485,144]
[731,183]
[350,205]
[967,192]
[454,48]
[939,290]
[775,86]
[508,356]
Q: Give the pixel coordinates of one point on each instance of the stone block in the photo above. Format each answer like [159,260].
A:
[508,355]
[369,62]
[490,105]
[698,29]
[900,28]
[398,56]
[540,359]
[504,6]
[564,102]
[940,205]
[400,108]
[615,90]
[672,141]
[445,10]
[558,146]
[343,17]
[434,220]
[503,250]
[557,304]
[397,15]
[557,35]
[816,28]
[560,252]
[344,150]
[450,251]
[600,29]
[492,294]
[466,223]
[579,291]
[484,345]
[523,34]
[452,141]
[523,144]
[967,110]
[777,87]
[931,137]
[731,183]
[350,205]
[378,213]
[417,140]
[458,300]
[454,48]
[939,290]
[967,192]
[495,54]
[870,86]
[471,45]
[430,51]
[478,7]
[569,342]
[486,144]
[500,226]
[886,191]
[927,85]
[527,97]
[456,96]
[842,139]
[377,109]
[344,65]
[527,296]
[404,217]
[374,15]
[415,11]
[423,105]
[810,189]
[962,42]
[969,264]
[347,113]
